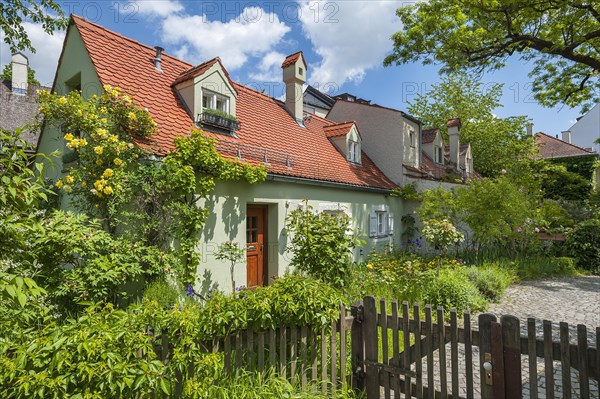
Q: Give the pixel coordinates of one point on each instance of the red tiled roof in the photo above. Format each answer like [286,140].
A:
[552,147]
[453,122]
[339,129]
[429,135]
[266,126]
[200,69]
[433,168]
[292,58]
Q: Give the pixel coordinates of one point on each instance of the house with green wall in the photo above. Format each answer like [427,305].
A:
[308,157]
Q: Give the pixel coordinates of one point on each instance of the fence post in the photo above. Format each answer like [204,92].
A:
[511,341]
[357,349]
[485,350]
[371,347]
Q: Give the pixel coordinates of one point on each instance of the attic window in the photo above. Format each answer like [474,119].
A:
[300,71]
[438,155]
[411,137]
[212,100]
[354,151]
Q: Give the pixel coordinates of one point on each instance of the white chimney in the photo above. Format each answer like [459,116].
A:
[158,58]
[566,136]
[530,129]
[20,67]
[294,76]
[453,126]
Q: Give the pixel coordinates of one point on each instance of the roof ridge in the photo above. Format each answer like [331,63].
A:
[564,142]
[408,116]
[77,18]
[338,124]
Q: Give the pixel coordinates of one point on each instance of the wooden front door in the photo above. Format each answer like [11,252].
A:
[255,246]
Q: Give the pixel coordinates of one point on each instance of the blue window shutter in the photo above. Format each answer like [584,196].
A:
[373,225]
[390,223]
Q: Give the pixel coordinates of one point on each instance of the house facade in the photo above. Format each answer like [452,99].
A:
[405,152]
[308,157]
[586,130]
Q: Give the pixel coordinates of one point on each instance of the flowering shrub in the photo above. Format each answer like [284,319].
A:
[118,181]
[441,234]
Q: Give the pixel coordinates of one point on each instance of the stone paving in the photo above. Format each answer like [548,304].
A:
[571,300]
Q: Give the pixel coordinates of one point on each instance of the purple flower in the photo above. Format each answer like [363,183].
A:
[519,230]
[418,243]
[190,290]
[503,171]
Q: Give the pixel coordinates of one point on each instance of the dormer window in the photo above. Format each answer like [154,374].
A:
[411,137]
[212,100]
[438,154]
[353,151]
[300,71]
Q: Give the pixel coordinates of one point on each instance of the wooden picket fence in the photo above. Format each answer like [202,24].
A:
[391,350]
[297,353]
[424,357]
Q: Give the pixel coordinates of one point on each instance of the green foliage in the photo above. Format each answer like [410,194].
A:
[583,244]
[163,293]
[536,266]
[453,289]
[500,212]
[232,253]
[46,13]
[7,75]
[496,143]
[219,113]
[321,244]
[115,353]
[491,280]
[408,192]
[560,183]
[441,234]
[559,38]
[270,386]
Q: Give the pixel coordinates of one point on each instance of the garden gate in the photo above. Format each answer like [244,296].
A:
[396,355]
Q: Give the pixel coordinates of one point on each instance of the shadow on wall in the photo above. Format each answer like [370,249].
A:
[230,218]
[207,283]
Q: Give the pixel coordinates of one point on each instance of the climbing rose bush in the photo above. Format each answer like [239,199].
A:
[441,234]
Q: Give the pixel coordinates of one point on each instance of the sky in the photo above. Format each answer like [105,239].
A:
[344,44]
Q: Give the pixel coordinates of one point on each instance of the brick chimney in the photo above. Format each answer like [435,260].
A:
[453,126]
[294,76]
[20,67]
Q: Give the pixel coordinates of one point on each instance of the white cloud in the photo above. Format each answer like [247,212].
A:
[48,49]
[269,68]
[159,8]
[254,33]
[350,36]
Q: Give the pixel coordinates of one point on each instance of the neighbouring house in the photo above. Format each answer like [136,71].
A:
[563,151]
[319,103]
[586,130]
[19,105]
[396,142]
[308,157]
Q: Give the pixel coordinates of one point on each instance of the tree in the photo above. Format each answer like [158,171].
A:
[7,75]
[560,37]
[496,143]
[13,13]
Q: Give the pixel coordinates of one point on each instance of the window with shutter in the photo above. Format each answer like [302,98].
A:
[390,224]
[373,225]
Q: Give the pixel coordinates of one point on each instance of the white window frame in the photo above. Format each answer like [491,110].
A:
[212,100]
[381,222]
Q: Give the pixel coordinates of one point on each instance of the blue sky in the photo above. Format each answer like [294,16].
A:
[344,43]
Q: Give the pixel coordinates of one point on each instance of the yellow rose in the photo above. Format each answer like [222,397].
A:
[59,184]
[83,142]
[98,150]
[103,110]
[68,188]
[113,138]
[68,137]
[62,100]
[118,161]
[83,184]
[108,173]
[69,179]
[132,116]
[104,120]
[107,88]
[108,190]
